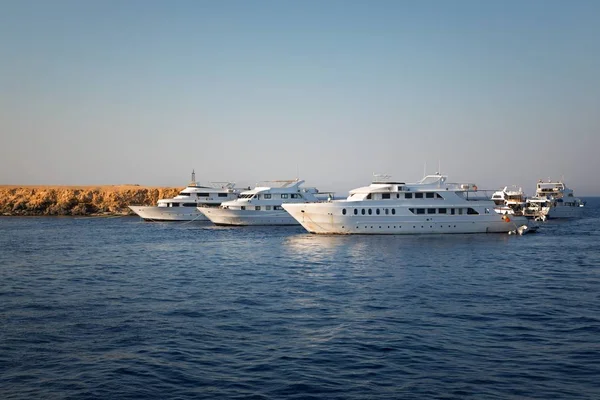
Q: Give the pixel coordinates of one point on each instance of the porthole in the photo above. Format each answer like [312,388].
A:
[387,211]
[362,211]
[356,211]
[377,211]
[370,211]
[393,211]
[343,211]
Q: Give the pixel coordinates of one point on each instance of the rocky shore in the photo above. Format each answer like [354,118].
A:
[78,200]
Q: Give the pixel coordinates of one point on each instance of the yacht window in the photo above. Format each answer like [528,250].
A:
[267,208]
[438,196]
[460,211]
[471,211]
[420,211]
[377,211]
[257,208]
[184,194]
[243,207]
[267,195]
[362,211]
[385,195]
[370,211]
[188,205]
[399,188]
[393,211]
[441,211]
[295,196]
[284,196]
[452,211]
[203,194]
[429,195]
[222,194]
[487,210]
[431,211]
[174,204]
[343,211]
[387,211]
[418,195]
[277,208]
[369,196]
[412,210]
[408,195]
[397,195]
[356,211]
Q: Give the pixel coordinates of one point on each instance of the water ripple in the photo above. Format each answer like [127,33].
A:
[115,308]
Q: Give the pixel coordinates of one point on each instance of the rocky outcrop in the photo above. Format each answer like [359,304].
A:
[79,200]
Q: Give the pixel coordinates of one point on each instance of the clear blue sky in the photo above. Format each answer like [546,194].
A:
[110,92]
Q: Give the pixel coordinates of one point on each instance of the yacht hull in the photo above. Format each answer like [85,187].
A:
[554,212]
[220,216]
[154,213]
[564,212]
[323,218]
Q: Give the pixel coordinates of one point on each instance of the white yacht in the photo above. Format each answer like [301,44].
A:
[183,207]
[387,207]
[262,205]
[553,200]
[509,200]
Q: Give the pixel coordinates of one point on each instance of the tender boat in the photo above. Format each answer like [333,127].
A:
[509,200]
[431,205]
[553,199]
[183,207]
[262,205]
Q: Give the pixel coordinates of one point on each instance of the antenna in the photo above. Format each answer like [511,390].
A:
[439,167]
[193,176]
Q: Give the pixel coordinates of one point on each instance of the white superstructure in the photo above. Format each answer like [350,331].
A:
[183,207]
[553,200]
[386,207]
[262,205]
[509,200]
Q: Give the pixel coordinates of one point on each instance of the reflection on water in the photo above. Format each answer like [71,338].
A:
[310,245]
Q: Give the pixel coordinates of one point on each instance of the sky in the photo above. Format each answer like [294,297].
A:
[139,91]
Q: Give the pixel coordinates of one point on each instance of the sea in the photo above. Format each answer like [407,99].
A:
[117,308]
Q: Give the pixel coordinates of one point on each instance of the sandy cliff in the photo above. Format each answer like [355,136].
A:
[78,200]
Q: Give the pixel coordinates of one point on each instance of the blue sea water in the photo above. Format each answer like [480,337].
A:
[118,308]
